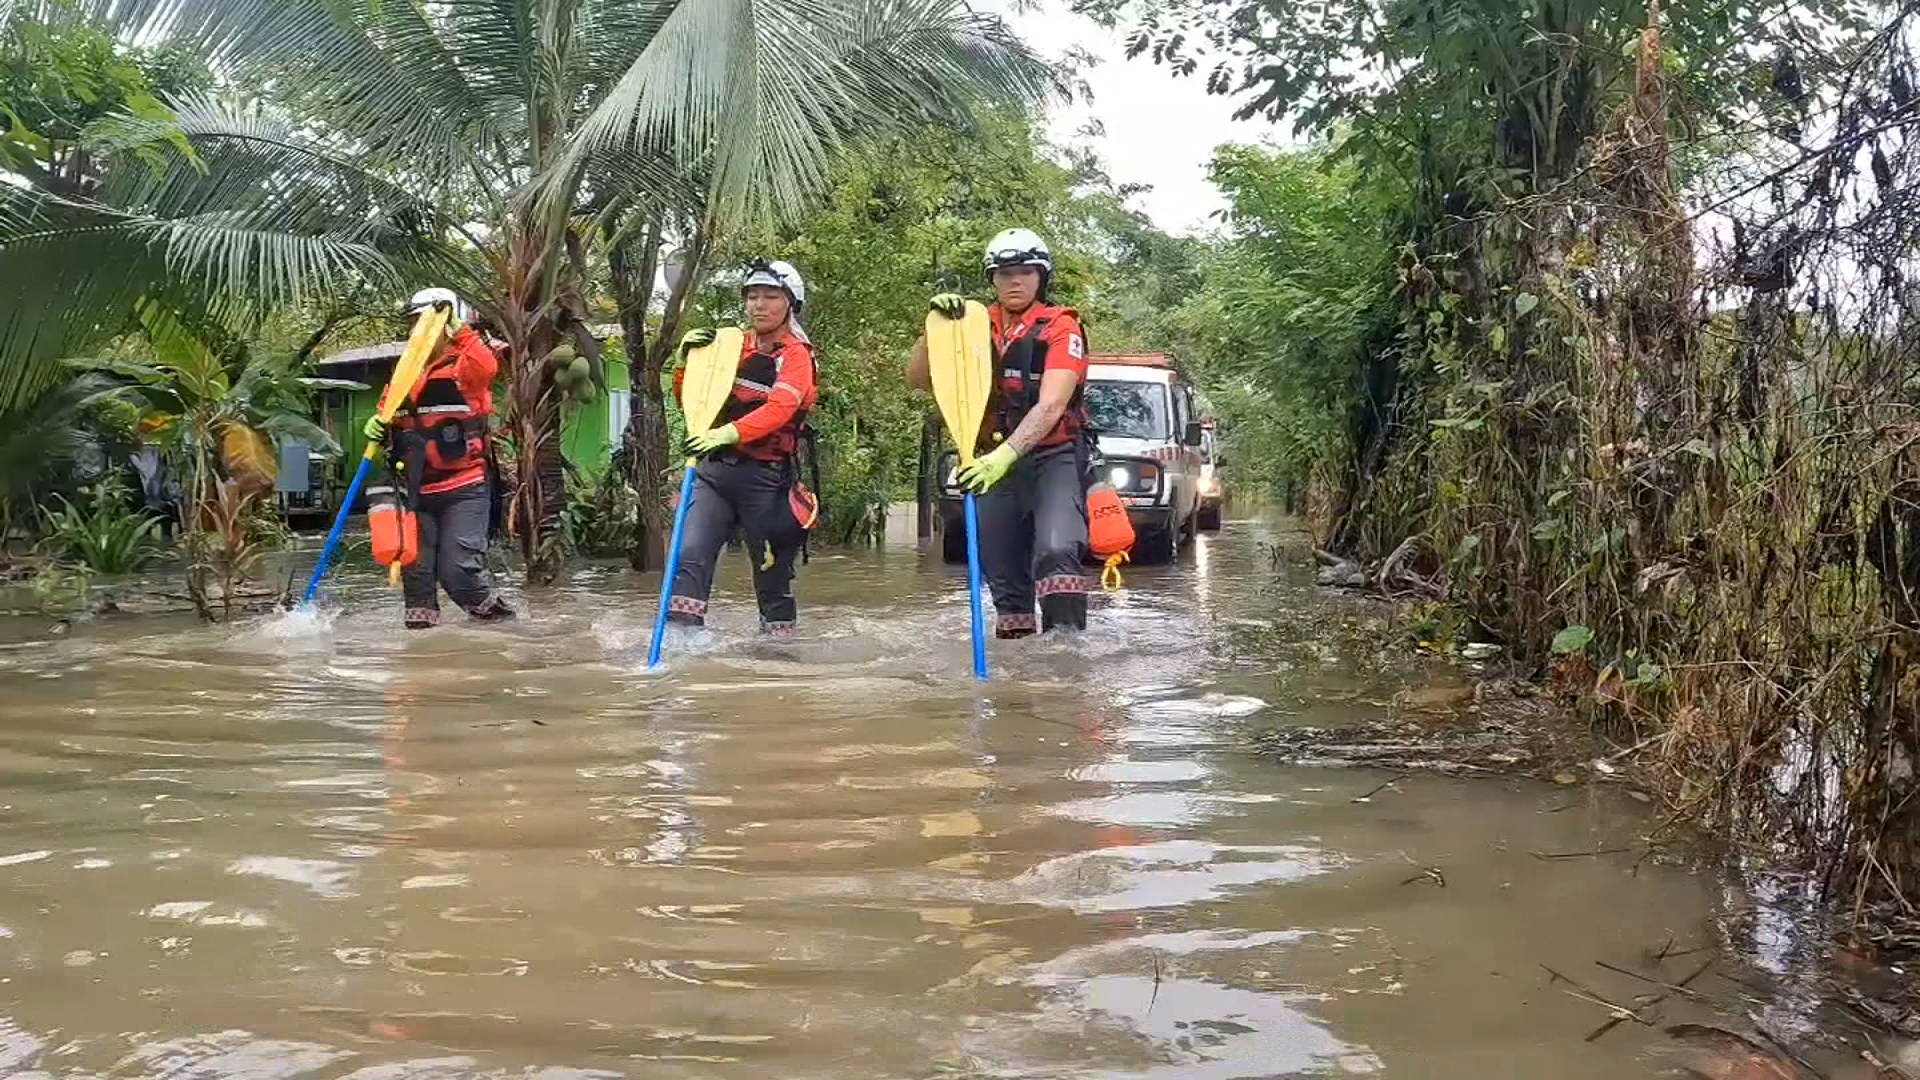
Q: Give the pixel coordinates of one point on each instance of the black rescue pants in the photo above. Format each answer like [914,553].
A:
[1033,535]
[731,490]
[453,556]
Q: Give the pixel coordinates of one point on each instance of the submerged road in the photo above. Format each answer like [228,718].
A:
[324,848]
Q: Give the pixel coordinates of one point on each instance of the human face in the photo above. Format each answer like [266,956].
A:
[1017,287]
[767,308]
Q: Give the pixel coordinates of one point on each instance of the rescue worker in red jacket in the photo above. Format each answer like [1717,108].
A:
[747,477]
[1033,451]
[438,443]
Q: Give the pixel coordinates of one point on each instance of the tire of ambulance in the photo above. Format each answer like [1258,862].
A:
[953,545]
[1207,518]
[1159,547]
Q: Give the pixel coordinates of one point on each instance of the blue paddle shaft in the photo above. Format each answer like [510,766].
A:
[673,567]
[973,591]
[333,535]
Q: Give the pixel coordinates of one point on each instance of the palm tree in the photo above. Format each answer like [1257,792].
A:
[482,144]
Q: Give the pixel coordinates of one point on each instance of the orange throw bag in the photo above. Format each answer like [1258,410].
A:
[396,535]
[1108,530]
[1109,533]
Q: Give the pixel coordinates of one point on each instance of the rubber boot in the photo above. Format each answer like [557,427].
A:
[1063,611]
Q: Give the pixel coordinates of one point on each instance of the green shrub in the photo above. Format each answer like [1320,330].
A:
[107,536]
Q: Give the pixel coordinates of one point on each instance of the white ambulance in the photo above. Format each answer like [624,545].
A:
[1150,437]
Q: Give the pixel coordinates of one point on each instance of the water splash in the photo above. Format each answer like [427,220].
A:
[300,626]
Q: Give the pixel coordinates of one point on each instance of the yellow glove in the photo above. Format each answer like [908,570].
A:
[708,442]
[696,339]
[376,430]
[982,473]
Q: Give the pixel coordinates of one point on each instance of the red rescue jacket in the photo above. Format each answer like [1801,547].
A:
[448,412]
[1040,339]
[772,391]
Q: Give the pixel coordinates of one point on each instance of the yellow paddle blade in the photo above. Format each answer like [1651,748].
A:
[960,361]
[709,378]
[428,330]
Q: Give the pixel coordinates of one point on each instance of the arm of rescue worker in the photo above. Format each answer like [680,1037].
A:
[789,394]
[917,375]
[477,366]
[1066,366]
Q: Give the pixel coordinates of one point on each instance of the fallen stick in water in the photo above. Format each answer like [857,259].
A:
[1556,856]
[1681,986]
[1678,988]
[1581,993]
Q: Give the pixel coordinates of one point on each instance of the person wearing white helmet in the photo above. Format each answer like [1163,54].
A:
[438,444]
[1033,446]
[747,478]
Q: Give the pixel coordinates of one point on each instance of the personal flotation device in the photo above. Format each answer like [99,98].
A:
[795,515]
[1022,362]
[442,434]
[752,386]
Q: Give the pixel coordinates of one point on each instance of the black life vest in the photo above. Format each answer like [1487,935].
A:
[752,387]
[442,434]
[1022,363]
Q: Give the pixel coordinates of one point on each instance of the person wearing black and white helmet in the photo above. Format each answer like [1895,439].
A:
[1031,470]
[439,442]
[748,476]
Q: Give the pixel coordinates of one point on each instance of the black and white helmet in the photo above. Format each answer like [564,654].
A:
[1019,247]
[780,275]
[426,298]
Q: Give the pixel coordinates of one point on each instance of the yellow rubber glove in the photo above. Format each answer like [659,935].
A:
[952,305]
[709,441]
[376,430]
[982,473]
[696,339]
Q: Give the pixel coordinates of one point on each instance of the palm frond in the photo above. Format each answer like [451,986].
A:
[254,216]
[613,34]
[765,90]
[377,71]
[247,158]
[56,298]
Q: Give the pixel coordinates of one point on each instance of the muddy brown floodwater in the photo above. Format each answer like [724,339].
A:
[326,848]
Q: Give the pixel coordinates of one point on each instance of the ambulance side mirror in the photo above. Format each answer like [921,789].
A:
[1192,433]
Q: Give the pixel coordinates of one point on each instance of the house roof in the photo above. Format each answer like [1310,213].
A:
[391,350]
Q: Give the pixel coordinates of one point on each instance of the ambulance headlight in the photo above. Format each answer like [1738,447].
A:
[1133,477]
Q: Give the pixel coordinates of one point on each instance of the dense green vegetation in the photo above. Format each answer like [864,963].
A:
[358,150]
[1592,319]
[249,228]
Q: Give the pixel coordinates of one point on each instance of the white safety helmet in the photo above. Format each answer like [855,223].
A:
[780,275]
[426,298]
[1019,247]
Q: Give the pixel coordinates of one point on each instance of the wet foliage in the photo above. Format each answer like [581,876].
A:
[1645,409]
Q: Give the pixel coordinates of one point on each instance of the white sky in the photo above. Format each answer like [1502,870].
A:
[1160,129]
